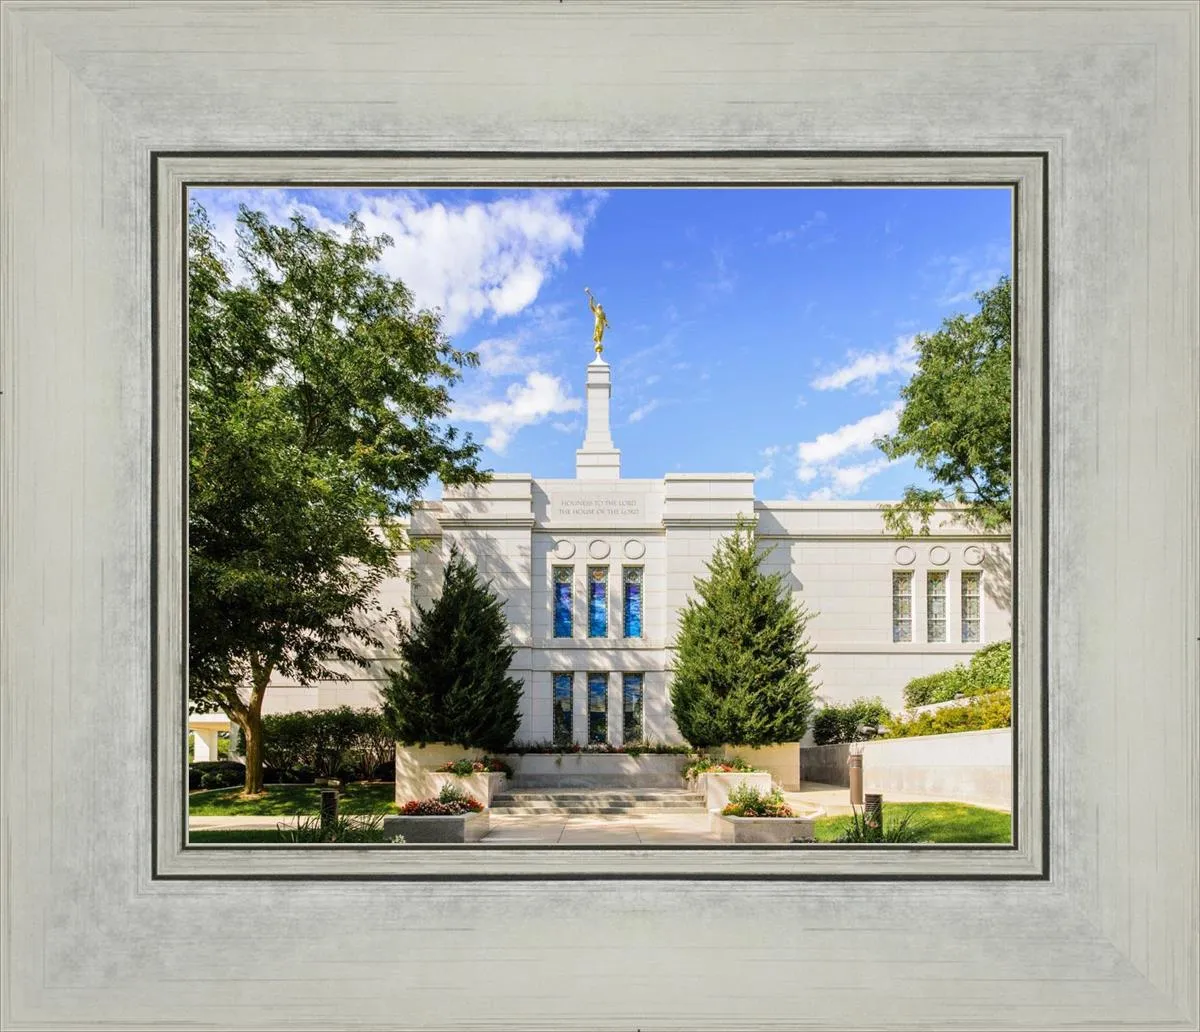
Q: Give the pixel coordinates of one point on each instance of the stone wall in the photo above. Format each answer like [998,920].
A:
[970,766]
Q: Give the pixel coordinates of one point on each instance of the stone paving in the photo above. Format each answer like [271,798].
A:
[628,829]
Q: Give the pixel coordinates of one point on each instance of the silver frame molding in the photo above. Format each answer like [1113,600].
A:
[1024,175]
[109,922]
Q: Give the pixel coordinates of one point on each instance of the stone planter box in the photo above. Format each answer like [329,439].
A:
[716,787]
[466,827]
[415,764]
[483,787]
[596,770]
[775,830]
[781,761]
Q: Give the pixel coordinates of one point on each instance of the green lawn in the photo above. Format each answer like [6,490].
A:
[286,800]
[246,836]
[947,822]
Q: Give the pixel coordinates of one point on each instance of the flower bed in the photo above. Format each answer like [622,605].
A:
[466,767]
[454,816]
[752,815]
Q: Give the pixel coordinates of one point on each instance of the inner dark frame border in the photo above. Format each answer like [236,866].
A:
[283,182]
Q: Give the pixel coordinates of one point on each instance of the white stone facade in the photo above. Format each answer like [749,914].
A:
[836,558]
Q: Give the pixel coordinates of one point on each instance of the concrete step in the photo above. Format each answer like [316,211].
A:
[597,801]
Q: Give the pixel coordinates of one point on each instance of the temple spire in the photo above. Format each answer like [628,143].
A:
[598,459]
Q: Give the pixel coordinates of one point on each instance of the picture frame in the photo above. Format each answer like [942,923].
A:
[105,921]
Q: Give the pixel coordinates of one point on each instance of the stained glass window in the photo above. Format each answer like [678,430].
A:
[563,708]
[632,708]
[598,602]
[564,622]
[633,601]
[597,709]
[970,605]
[935,597]
[902,581]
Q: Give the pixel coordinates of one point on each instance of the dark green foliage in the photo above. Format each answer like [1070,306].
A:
[342,828]
[317,404]
[215,774]
[858,721]
[742,674]
[957,418]
[906,827]
[989,670]
[453,685]
[351,743]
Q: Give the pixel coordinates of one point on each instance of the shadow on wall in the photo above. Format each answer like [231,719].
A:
[997,579]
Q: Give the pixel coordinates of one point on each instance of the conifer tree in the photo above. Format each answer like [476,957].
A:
[742,669]
[454,686]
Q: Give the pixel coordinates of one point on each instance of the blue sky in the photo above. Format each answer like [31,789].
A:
[765,331]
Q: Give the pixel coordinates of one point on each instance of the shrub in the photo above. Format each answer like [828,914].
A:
[465,768]
[748,801]
[454,684]
[983,713]
[343,742]
[342,828]
[707,765]
[742,670]
[859,721]
[209,774]
[989,670]
[451,802]
[863,829]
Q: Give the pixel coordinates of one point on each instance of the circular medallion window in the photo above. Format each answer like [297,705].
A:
[939,555]
[599,549]
[972,555]
[599,573]
[633,576]
[634,549]
[905,555]
[564,549]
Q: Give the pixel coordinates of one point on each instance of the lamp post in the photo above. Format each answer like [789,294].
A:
[855,769]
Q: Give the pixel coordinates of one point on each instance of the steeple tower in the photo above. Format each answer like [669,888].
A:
[598,459]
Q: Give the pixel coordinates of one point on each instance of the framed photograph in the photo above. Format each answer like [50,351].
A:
[693,527]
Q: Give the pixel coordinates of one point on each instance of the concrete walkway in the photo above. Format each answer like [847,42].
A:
[647,828]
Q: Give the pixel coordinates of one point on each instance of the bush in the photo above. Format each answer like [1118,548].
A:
[209,774]
[859,721]
[862,828]
[343,828]
[465,768]
[742,670]
[345,743]
[990,670]
[454,685]
[983,713]
[748,801]
[707,765]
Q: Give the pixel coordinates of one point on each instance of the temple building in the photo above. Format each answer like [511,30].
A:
[594,571]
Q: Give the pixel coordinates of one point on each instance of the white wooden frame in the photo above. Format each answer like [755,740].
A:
[99,932]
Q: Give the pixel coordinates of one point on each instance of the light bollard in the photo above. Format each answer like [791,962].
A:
[855,768]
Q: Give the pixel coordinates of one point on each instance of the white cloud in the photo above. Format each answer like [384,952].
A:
[959,277]
[538,397]
[849,439]
[501,356]
[867,367]
[477,260]
[768,469]
[642,411]
[822,461]
[819,218]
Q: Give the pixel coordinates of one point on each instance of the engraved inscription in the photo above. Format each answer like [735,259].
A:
[597,507]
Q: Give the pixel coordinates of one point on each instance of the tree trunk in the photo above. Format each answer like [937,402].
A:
[252,733]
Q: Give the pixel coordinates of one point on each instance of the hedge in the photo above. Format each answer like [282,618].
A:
[990,670]
[857,721]
[352,744]
[215,774]
[984,713]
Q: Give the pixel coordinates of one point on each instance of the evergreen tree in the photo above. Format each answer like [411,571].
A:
[454,686]
[742,670]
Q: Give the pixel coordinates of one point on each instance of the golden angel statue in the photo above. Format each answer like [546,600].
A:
[601,321]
